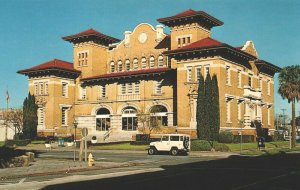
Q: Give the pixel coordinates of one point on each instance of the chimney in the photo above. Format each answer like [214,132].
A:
[127,38]
[159,32]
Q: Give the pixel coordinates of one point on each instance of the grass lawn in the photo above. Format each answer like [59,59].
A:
[271,148]
[252,146]
[1,143]
[122,146]
[38,142]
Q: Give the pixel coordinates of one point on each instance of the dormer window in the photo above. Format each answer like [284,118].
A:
[135,64]
[160,61]
[127,65]
[152,62]
[112,67]
[144,63]
[120,66]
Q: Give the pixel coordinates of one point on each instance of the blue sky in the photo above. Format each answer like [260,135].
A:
[31,30]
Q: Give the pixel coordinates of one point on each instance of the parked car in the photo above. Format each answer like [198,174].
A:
[172,143]
[287,137]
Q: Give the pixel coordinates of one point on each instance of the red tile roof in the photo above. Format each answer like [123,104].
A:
[53,64]
[165,43]
[206,42]
[91,32]
[129,73]
[200,16]
[187,12]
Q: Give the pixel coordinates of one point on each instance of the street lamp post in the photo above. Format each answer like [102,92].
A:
[75,123]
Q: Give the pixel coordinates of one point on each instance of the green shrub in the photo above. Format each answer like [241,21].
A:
[221,147]
[225,137]
[200,145]
[245,138]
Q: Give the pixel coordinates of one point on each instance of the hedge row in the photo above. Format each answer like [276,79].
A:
[202,145]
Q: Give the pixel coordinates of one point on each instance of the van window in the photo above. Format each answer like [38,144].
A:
[174,138]
[165,138]
[181,138]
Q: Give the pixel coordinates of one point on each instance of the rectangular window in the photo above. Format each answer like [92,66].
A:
[239,77]
[64,89]
[120,66]
[129,88]
[64,116]
[188,40]
[228,75]
[41,88]
[46,88]
[269,115]
[189,74]
[158,89]
[198,73]
[250,80]
[178,42]
[239,111]
[41,116]
[206,70]
[102,89]
[228,111]
[123,88]
[83,93]
[183,41]
[137,88]
[36,88]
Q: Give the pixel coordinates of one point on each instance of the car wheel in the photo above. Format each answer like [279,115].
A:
[151,151]
[174,151]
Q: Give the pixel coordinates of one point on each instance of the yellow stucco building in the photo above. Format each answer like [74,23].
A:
[112,82]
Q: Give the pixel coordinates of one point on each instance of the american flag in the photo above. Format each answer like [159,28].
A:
[7,96]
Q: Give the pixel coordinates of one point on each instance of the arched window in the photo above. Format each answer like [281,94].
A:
[127,65]
[152,61]
[120,66]
[135,64]
[160,61]
[103,119]
[112,67]
[129,119]
[144,63]
[159,116]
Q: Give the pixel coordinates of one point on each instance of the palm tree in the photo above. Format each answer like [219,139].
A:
[289,88]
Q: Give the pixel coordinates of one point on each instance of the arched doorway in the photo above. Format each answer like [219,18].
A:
[159,115]
[102,119]
[129,119]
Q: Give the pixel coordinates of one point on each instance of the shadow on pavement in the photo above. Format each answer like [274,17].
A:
[236,172]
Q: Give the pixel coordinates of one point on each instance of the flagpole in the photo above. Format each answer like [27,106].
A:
[7,99]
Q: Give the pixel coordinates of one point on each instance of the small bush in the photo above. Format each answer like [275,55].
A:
[225,137]
[200,145]
[221,147]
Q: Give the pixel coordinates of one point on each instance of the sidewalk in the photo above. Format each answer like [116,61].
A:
[45,167]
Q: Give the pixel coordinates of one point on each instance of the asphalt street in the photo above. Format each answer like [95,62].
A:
[179,172]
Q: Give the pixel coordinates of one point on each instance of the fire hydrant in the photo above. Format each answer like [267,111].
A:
[91,160]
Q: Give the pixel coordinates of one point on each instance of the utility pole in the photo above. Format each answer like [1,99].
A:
[283,115]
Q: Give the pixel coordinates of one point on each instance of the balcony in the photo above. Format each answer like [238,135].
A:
[252,93]
[125,97]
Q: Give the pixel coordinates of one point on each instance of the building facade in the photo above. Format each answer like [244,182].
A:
[113,83]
